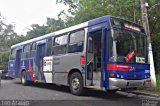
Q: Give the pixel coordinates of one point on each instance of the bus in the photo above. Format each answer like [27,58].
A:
[108,52]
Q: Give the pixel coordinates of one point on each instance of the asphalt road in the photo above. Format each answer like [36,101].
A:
[11,91]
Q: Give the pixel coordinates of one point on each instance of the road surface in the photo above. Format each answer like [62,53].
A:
[12,91]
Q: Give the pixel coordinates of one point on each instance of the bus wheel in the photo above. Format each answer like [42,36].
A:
[76,84]
[24,78]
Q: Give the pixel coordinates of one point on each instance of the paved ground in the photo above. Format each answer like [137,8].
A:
[59,95]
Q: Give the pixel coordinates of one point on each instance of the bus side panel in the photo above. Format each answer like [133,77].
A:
[11,69]
[27,65]
[63,64]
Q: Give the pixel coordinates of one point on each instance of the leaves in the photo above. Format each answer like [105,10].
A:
[51,26]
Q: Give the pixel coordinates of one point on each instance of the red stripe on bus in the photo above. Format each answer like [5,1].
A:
[118,67]
[31,71]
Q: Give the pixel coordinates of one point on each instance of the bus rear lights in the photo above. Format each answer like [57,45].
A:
[82,60]
[148,81]
[112,75]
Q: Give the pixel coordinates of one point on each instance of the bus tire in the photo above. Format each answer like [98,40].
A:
[24,78]
[76,83]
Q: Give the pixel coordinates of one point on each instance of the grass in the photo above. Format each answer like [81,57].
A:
[158,80]
[157,88]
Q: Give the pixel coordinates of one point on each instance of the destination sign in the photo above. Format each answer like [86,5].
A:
[126,24]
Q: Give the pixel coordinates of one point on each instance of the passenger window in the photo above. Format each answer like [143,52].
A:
[60,45]
[13,51]
[33,46]
[49,47]
[61,40]
[26,51]
[13,54]
[76,42]
[33,49]
[77,37]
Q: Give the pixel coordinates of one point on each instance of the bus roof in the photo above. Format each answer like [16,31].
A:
[75,27]
[82,25]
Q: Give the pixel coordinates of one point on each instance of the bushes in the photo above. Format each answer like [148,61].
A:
[4,57]
[156,51]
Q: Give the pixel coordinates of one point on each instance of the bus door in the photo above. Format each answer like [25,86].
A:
[96,57]
[18,63]
[40,54]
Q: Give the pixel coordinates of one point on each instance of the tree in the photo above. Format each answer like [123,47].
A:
[6,34]
[89,9]
[35,31]
[6,30]
[51,26]
[7,38]
[54,25]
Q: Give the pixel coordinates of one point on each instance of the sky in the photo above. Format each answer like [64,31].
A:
[23,13]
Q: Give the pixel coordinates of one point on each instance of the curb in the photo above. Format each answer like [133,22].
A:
[146,93]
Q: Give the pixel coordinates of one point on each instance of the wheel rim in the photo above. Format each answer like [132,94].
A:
[75,83]
[23,79]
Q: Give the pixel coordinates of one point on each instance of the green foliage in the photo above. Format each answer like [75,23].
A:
[54,25]
[89,9]
[158,80]
[7,38]
[6,31]
[4,57]
[51,26]
[36,31]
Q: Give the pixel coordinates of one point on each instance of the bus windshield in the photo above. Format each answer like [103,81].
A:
[129,47]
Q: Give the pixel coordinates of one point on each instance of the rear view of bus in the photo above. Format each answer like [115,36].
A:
[128,56]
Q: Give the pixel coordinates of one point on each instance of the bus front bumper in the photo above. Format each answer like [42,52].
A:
[115,83]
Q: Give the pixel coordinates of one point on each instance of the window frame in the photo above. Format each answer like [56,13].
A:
[33,51]
[12,55]
[51,46]
[25,52]
[54,46]
[83,41]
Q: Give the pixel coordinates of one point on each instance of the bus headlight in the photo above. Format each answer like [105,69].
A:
[122,76]
[112,75]
[118,75]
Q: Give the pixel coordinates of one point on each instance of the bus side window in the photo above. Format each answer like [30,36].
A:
[13,54]
[26,51]
[60,44]
[33,49]
[49,47]
[76,41]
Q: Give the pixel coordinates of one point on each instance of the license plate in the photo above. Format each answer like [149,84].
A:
[135,84]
